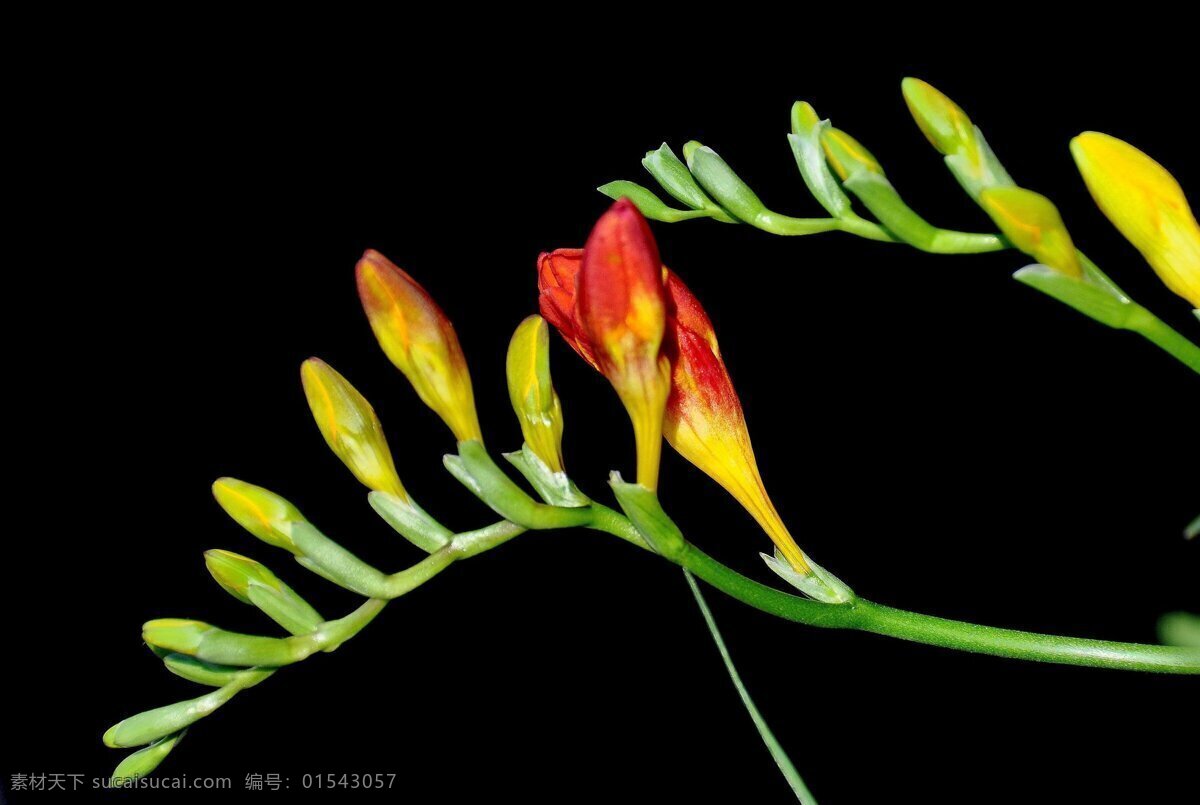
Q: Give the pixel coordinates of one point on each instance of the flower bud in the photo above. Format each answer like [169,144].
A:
[1032,223]
[940,119]
[260,511]
[715,176]
[252,583]
[846,155]
[176,634]
[1147,205]
[350,427]
[421,342]
[621,309]
[532,393]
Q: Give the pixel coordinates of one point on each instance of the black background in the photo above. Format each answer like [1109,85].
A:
[940,436]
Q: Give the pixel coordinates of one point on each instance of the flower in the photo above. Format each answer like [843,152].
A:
[350,427]
[1147,205]
[419,339]
[703,419]
[621,312]
[532,393]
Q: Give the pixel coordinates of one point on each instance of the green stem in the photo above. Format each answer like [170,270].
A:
[866,616]
[1166,338]
[772,743]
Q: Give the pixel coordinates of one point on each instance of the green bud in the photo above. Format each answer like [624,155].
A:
[647,203]
[715,176]
[144,761]
[677,180]
[175,634]
[260,511]
[200,672]
[805,141]
[643,509]
[235,573]
[252,583]
[846,155]
[218,646]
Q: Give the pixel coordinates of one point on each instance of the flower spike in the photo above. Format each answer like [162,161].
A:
[420,340]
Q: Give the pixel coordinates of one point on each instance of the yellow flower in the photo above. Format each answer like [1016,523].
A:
[1147,205]
[419,339]
[350,427]
[532,393]
[1032,223]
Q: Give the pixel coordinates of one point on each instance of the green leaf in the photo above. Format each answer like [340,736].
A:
[199,671]
[1088,298]
[556,488]
[778,754]
[643,509]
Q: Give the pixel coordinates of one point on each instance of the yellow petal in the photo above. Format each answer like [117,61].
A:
[1147,205]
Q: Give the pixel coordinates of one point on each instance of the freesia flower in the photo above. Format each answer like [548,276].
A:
[620,307]
[1147,205]
[703,419]
[421,342]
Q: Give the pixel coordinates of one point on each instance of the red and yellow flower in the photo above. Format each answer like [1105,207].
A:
[703,418]
[420,340]
[619,317]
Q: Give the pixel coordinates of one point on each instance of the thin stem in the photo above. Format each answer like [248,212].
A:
[1167,339]
[773,746]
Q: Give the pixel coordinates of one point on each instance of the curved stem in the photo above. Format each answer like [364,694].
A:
[867,616]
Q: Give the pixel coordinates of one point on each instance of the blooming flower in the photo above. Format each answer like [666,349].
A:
[703,419]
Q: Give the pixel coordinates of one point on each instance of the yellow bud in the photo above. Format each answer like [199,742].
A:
[1147,205]
[1032,223]
[940,119]
[532,392]
[847,155]
[350,427]
[260,511]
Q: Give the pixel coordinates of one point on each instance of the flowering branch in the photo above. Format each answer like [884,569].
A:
[636,322]
[1136,193]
